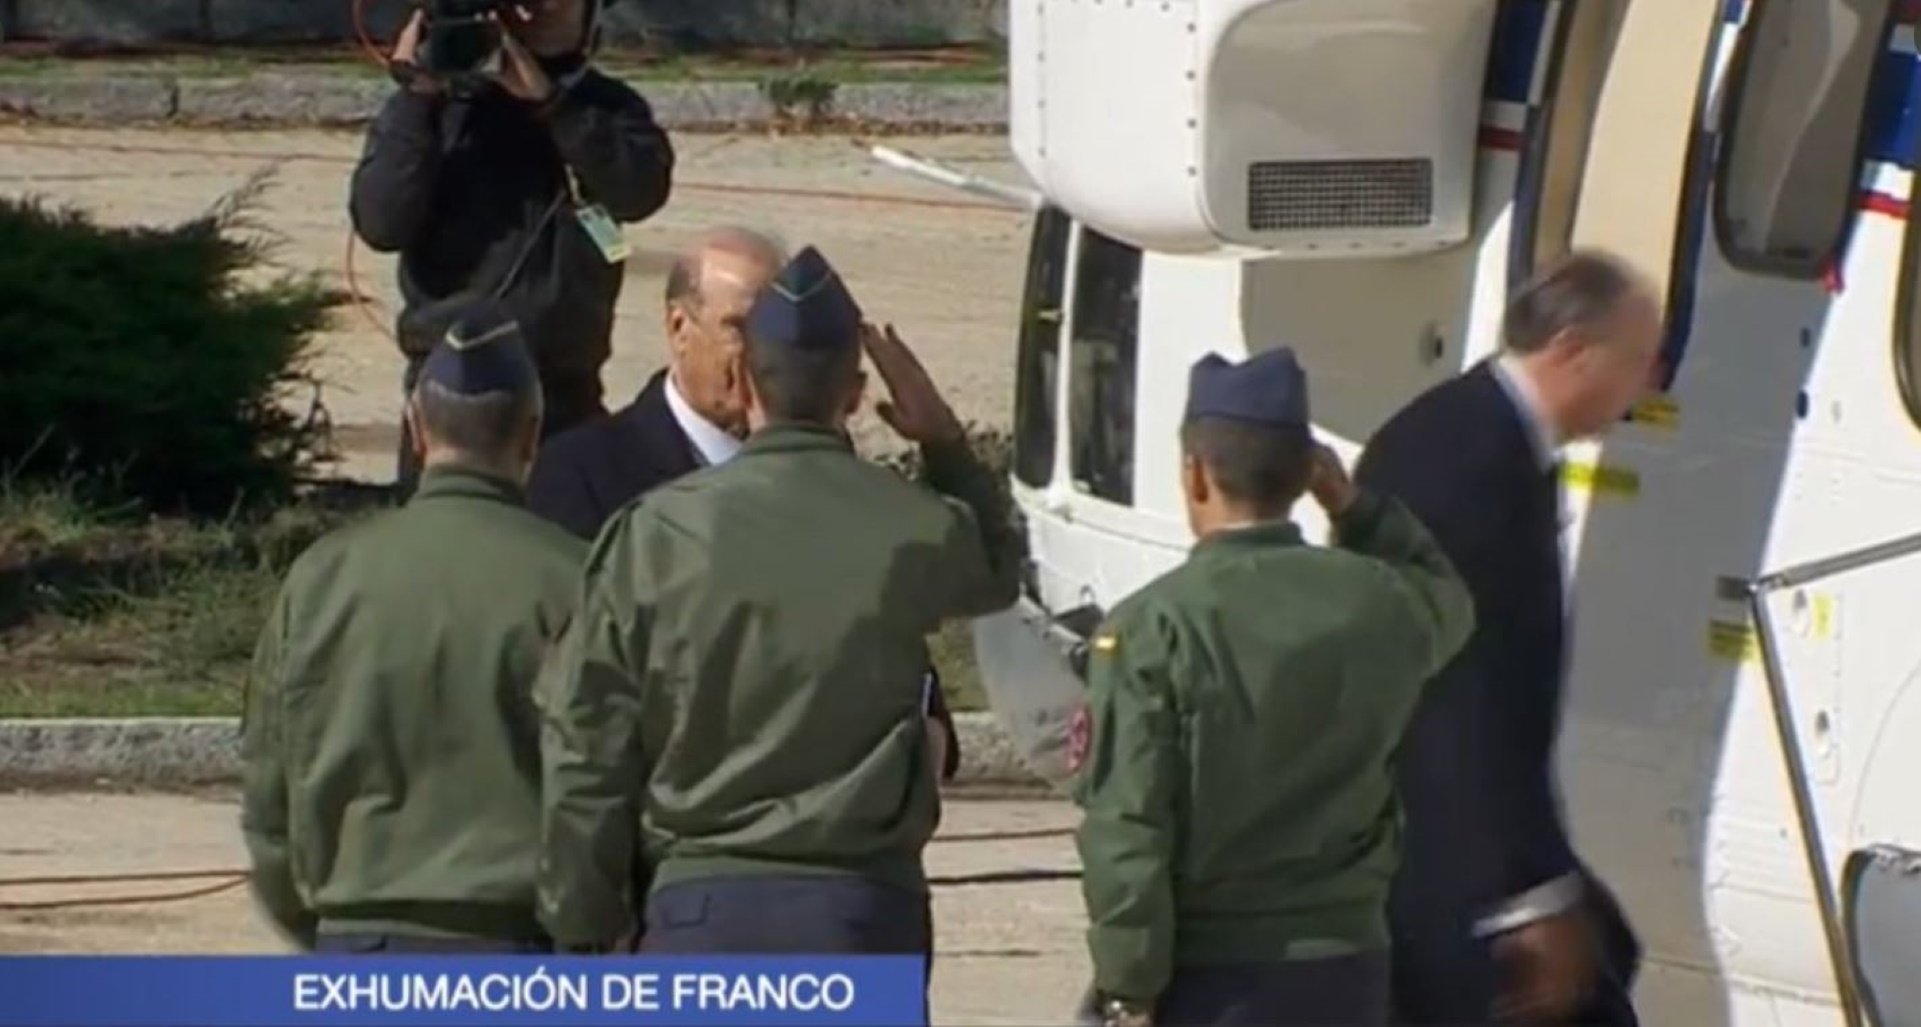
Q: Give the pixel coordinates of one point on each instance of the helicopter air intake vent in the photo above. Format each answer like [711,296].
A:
[1335,195]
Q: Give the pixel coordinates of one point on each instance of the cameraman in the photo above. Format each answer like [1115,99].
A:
[513,186]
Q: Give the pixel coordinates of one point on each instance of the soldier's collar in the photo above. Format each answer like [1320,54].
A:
[445,480]
[1260,535]
[786,438]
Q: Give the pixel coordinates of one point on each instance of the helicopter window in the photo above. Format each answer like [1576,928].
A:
[1796,124]
[1038,371]
[1107,288]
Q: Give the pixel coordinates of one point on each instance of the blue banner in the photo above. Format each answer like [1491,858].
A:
[443,991]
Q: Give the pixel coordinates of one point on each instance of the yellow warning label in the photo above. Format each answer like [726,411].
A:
[1657,411]
[1733,641]
[1601,479]
[1736,641]
[1823,616]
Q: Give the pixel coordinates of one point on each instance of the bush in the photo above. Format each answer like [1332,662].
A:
[133,360]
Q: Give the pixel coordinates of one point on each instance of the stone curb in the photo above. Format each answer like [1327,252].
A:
[169,752]
[297,99]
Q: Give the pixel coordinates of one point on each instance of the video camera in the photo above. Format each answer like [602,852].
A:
[460,42]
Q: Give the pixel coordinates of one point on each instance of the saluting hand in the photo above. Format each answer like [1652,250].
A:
[915,408]
[1328,482]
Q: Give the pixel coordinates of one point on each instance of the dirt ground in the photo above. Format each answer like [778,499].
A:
[1007,953]
[945,267]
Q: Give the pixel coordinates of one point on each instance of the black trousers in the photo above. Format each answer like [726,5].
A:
[1445,977]
[789,914]
[366,944]
[570,402]
[1338,991]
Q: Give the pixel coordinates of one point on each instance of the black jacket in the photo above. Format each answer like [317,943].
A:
[1483,821]
[473,196]
[583,476]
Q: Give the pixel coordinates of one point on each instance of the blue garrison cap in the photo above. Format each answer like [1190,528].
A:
[482,352]
[1268,388]
[806,306]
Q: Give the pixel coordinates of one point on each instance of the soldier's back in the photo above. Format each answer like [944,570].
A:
[796,586]
[412,644]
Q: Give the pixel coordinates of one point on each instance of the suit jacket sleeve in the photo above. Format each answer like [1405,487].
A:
[558,490]
[1506,833]
[937,710]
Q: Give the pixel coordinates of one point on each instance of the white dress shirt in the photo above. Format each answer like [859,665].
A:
[712,444]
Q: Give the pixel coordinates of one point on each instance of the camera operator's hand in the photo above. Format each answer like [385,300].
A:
[520,74]
[405,59]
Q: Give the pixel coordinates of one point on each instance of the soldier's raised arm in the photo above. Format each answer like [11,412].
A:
[1125,749]
[263,813]
[980,558]
[594,771]
[1433,595]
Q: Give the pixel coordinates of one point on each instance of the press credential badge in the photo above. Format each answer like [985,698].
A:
[604,231]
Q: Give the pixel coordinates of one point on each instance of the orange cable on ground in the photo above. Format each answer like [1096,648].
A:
[239,878]
[360,298]
[359,9]
[235,877]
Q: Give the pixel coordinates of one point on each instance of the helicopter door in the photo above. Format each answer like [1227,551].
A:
[1037,369]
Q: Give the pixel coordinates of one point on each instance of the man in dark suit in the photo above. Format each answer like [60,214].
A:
[1494,917]
[689,415]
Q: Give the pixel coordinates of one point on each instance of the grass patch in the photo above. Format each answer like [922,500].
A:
[105,614]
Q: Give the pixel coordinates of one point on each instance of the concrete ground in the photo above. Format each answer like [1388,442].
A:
[1007,953]
[941,265]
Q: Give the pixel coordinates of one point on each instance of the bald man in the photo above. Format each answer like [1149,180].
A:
[691,414]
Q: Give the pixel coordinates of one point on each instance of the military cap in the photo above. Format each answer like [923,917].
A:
[1268,388]
[806,306]
[482,352]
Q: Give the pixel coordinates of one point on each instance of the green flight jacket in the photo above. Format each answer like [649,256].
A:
[1243,711]
[741,691]
[392,778]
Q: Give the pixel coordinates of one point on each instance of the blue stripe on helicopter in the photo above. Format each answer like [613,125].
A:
[1894,109]
[1515,47]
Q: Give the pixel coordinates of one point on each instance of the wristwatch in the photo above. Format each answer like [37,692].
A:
[1120,1012]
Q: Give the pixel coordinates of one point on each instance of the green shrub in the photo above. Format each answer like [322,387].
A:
[135,362]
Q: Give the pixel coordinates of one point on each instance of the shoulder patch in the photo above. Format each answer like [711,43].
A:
[1080,737]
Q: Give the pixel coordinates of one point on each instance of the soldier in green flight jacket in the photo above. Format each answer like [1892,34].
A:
[1234,757]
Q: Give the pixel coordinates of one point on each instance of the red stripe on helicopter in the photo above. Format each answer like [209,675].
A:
[1883,203]
[1494,137]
